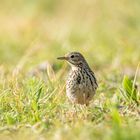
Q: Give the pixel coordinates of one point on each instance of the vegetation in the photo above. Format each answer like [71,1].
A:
[33,104]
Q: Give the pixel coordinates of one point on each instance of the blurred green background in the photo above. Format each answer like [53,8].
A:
[107,32]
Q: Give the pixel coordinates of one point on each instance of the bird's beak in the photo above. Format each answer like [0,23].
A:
[62,58]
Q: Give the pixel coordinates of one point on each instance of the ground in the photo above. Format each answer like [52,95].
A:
[33,103]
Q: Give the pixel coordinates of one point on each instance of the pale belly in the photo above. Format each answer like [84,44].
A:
[80,94]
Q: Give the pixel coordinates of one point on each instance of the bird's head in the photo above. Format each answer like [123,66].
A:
[75,59]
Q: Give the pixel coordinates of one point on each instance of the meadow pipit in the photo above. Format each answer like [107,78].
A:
[81,84]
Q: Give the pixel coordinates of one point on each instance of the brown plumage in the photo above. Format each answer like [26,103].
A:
[81,84]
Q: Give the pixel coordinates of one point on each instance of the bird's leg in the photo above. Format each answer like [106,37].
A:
[84,96]
[84,110]
[74,108]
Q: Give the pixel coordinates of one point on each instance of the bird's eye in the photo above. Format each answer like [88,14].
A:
[72,56]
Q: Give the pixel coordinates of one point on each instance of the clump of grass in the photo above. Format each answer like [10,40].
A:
[130,90]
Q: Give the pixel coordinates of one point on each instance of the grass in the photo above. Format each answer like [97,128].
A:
[33,104]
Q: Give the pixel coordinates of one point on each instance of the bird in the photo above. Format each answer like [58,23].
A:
[81,84]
